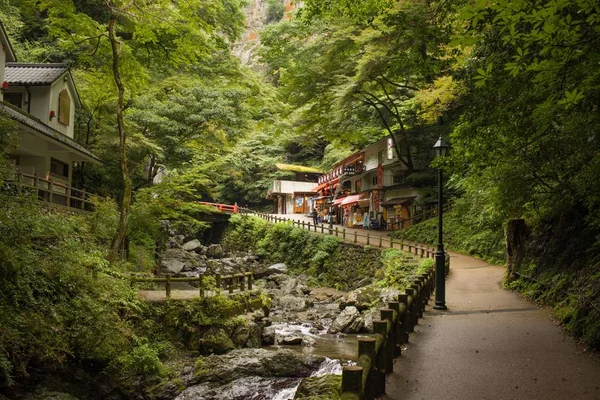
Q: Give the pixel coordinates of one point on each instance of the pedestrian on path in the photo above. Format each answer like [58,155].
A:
[315,216]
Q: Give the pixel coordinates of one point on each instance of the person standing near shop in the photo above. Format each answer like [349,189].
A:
[315,216]
[347,216]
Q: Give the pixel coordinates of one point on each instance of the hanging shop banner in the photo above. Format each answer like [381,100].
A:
[390,148]
[375,198]
[380,176]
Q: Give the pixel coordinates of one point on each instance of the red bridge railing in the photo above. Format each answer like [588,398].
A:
[222,207]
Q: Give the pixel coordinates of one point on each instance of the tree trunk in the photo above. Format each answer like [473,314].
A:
[119,237]
[516,236]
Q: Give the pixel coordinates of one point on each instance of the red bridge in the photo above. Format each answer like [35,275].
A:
[232,209]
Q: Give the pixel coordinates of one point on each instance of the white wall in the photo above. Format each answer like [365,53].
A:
[57,87]
[291,187]
[40,103]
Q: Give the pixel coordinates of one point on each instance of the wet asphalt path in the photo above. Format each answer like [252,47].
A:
[490,344]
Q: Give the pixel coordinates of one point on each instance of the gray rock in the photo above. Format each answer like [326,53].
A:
[215,251]
[268,335]
[256,362]
[177,260]
[291,339]
[248,335]
[279,268]
[368,317]
[187,370]
[345,322]
[192,245]
[361,298]
[250,387]
[292,303]
[308,341]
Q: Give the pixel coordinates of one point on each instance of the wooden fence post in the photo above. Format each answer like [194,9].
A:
[368,238]
[250,279]
[336,231]
[344,233]
[230,284]
[405,330]
[352,380]
[380,242]
[355,237]
[201,285]
[367,349]
[168,286]
[395,305]
[218,281]
[380,327]
[387,314]
[242,283]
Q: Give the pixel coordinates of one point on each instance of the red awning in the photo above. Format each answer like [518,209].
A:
[351,199]
[325,185]
[337,202]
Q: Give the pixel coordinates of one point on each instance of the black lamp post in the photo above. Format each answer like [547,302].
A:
[441,149]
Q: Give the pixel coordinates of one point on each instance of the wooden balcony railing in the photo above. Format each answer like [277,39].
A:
[54,192]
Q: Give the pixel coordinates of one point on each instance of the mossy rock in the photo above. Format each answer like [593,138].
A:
[326,387]
[215,341]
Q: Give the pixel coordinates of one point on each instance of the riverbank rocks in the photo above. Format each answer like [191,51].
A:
[255,362]
[361,298]
[192,245]
[320,387]
[248,335]
[176,260]
[268,335]
[279,268]
[215,251]
[292,303]
[349,321]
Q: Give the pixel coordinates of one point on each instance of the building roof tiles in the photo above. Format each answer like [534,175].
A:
[33,74]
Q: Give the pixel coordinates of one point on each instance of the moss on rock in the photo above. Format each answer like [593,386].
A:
[327,387]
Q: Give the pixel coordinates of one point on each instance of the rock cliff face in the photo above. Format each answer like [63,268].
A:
[257,15]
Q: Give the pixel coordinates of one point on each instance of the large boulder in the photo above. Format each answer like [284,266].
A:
[255,362]
[215,251]
[292,303]
[192,245]
[247,335]
[268,335]
[361,298]
[214,341]
[349,321]
[279,268]
[176,260]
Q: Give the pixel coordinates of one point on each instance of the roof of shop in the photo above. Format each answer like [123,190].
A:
[298,168]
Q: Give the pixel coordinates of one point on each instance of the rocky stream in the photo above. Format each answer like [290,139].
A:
[308,331]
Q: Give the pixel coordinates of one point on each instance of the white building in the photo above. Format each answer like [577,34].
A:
[41,99]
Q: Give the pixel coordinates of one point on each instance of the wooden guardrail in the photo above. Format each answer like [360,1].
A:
[243,281]
[54,192]
[419,250]
[366,379]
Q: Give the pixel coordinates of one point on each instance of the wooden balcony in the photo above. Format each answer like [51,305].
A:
[55,193]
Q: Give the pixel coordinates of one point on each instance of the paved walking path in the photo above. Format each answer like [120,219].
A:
[490,344]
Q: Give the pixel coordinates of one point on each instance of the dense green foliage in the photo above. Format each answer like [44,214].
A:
[65,311]
[460,234]
[329,260]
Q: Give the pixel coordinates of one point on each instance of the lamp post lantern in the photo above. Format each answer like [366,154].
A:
[441,149]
